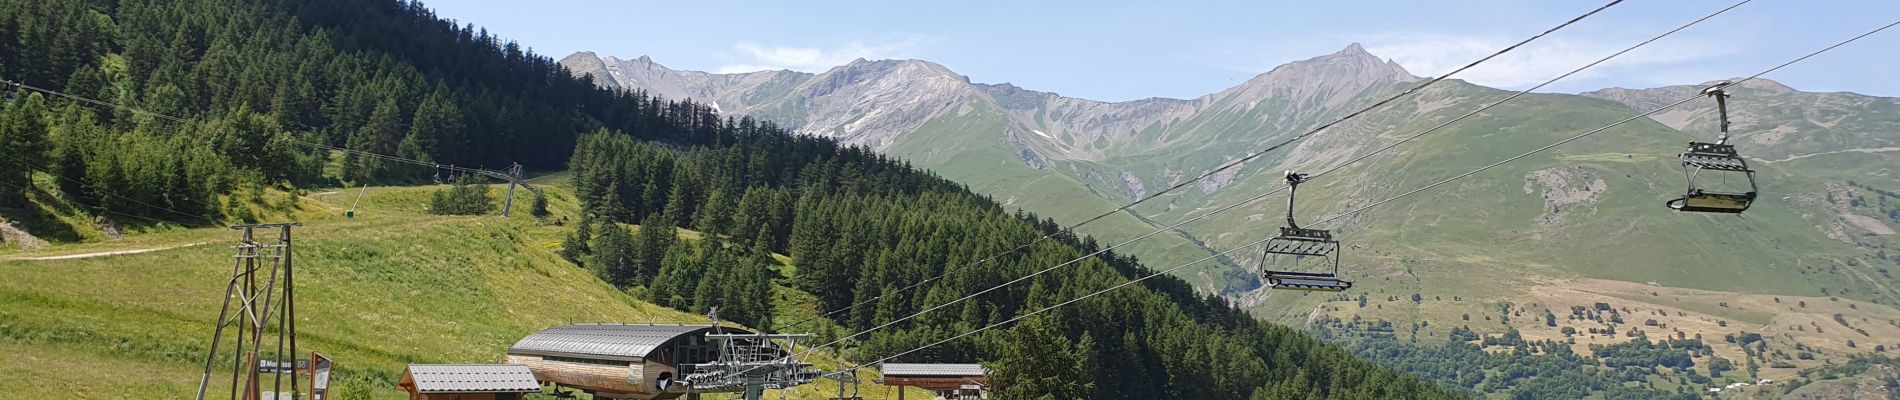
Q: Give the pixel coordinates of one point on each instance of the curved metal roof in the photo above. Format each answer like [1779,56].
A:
[620,342]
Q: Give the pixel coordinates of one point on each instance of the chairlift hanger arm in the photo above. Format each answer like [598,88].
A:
[1293,181]
[1720,93]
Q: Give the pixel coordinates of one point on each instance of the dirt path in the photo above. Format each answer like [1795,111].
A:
[1866,150]
[100,254]
[1311,315]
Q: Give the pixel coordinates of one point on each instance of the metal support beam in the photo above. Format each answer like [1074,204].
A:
[514,177]
[252,309]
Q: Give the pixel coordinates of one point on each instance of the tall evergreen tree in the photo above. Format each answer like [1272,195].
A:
[24,143]
[651,244]
[614,259]
[574,248]
[380,135]
[1039,364]
[436,132]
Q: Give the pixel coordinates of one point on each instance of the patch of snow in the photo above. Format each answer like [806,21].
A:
[1045,135]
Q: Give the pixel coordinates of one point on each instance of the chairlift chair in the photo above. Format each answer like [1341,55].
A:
[1719,157]
[843,380]
[1297,244]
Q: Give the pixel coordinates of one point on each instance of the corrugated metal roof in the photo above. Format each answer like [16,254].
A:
[956,370]
[622,342]
[489,378]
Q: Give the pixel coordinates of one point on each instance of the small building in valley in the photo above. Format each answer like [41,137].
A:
[950,381]
[468,382]
[619,361]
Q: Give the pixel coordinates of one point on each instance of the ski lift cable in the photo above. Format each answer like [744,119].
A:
[1521,93]
[1376,204]
[1607,127]
[99,103]
[49,172]
[1228,165]
[109,211]
[1354,114]
[1257,198]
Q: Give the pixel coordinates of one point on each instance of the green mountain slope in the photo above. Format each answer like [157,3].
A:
[1575,226]
[392,286]
[1584,224]
[966,148]
[240,101]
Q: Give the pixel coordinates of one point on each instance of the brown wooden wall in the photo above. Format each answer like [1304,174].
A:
[602,378]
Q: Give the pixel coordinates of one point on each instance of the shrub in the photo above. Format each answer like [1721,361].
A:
[464,197]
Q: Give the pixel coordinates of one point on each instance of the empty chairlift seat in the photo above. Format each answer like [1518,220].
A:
[1717,158]
[1288,261]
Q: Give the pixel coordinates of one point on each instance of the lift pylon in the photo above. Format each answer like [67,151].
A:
[260,303]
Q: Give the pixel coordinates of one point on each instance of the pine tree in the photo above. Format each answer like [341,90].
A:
[650,246]
[574,248]
[716,216]
[1038,363]
[436,131]
[23,142]
[614,259]
[678,278]
[381,135]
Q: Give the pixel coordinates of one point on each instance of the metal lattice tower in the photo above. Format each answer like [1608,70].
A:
[751,363]
[260,304]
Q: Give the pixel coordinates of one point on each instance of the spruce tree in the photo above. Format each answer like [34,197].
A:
[574,248]
[1038,363]
[651,244]
[23,141]
[614,259]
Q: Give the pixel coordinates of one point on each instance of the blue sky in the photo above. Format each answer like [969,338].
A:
[1124,50]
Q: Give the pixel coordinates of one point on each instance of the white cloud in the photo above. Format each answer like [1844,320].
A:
[758,57]
[1436,54]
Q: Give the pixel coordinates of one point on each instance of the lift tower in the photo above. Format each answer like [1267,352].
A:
[260,304]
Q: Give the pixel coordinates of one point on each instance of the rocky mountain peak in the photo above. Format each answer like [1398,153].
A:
[1352,63]
[1352,49]
[1329,81]
[586,63]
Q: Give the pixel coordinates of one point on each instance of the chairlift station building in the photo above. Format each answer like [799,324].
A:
[618,361]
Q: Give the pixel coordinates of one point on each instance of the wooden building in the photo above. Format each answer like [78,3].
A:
[468,382]
[618,361]
[950,381]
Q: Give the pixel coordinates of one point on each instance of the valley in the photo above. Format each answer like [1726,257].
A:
[1036,245]
[1576,227]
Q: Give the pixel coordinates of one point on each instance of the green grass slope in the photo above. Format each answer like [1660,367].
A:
[970,148]
[390,287]
[1580,224]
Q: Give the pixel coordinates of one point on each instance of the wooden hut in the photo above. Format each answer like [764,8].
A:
[950,381]
[618,361]
[468,382]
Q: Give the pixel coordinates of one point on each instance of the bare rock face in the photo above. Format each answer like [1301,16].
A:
[10,235]
[1565,190]
[587,64]
[874,103]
